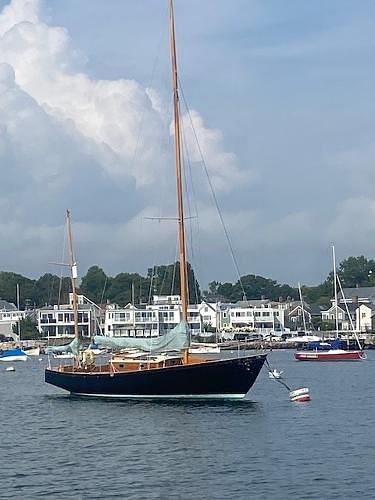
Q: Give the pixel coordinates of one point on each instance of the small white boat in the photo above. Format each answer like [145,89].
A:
[275,373]
[10,369]
[63,355]
[32,351]
[203,348]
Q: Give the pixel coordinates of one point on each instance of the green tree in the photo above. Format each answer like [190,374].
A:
[28,329]
[357,271]
[94,284]
[255,287]
[166,281]
[51,289]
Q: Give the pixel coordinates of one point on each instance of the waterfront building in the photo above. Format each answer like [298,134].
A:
[58,320]
[262,316]
[344,324]
[365,318]
[9,318]
[296,311]
[149,320]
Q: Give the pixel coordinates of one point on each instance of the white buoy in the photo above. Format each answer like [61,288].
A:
[10,369]
[275,373]
[300,395]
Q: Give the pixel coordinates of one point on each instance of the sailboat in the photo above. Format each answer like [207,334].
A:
[337,349]
[14,354]
[159,367]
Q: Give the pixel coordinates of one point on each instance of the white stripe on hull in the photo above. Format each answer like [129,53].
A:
[166,396]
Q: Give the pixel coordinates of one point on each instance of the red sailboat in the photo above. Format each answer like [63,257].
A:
[337,349]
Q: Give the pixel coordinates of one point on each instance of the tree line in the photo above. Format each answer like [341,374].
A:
[165,280]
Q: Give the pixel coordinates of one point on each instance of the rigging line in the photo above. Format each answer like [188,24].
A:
[103,291]
[174,268]
[189,209]
[163,280]
[234,260]
[347,312]
[151,284]
[190,235]
[61,269]
[141,123]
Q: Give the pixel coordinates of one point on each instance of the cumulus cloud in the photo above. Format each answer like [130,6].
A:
[68,139]
[223,166]
[110,113]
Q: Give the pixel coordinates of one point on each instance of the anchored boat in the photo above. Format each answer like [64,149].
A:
[337,349]
[165,368]
[15,354]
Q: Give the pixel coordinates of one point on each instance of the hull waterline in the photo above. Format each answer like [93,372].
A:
[217,379]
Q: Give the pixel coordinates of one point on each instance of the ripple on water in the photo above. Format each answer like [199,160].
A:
[54,446]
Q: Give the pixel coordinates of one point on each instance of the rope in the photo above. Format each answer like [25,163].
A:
[277,379]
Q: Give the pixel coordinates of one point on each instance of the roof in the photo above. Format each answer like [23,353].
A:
[252,303]
[364,292]
[370,306]
[7,306]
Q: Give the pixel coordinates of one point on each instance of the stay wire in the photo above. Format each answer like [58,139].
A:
[234,260]
[192,254]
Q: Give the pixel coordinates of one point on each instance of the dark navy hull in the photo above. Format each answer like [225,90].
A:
[226,378]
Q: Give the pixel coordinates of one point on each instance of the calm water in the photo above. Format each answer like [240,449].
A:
[54,446]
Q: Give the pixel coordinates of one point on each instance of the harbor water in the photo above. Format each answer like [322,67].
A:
[56,446]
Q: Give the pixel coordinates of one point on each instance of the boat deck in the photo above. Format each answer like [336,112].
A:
[131,364]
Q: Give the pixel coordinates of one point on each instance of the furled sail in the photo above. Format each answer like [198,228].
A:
[73,347]
[175,340]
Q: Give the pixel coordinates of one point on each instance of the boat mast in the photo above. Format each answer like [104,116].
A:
[178,160]
[303,310]
[73,275]
[19,317]
[335,288]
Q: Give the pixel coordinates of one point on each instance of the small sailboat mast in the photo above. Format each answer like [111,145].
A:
[335,290]
[73,275]
[178,161]
[303,309]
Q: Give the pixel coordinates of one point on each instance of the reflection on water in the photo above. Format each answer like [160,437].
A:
[58,446]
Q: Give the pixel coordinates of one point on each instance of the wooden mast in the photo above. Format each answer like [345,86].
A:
[73,275]
[178,160]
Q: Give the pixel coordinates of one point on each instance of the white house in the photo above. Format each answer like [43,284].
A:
[365,318]
[58,320]
[343,319]
[9,318]
[149,320]
[261,316]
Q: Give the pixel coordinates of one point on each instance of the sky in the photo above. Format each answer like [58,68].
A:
[280,98]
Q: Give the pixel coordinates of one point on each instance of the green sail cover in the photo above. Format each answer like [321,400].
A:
[175,340]
[73,347]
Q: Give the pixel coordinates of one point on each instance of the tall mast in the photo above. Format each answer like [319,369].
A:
[335,288]
[73,275]
[19,317]
[178,160]
[303,309]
